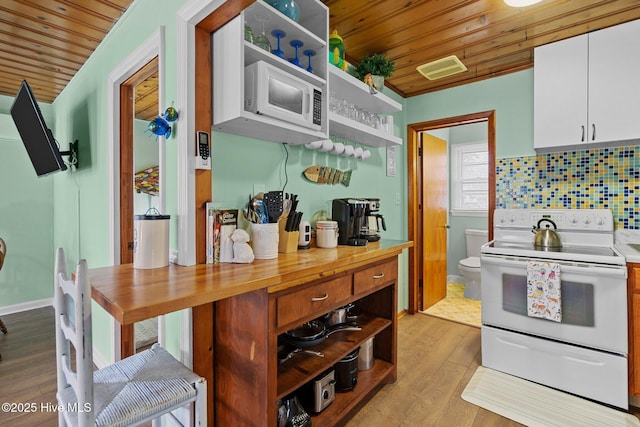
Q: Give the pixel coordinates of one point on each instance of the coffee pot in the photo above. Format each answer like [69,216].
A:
[374,221]
[352,226]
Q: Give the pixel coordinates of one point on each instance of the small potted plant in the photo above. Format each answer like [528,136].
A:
[377,66]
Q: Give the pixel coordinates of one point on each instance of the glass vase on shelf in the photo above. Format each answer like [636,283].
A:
[288,8]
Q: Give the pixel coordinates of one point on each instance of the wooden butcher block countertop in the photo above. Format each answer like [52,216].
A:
[131,295]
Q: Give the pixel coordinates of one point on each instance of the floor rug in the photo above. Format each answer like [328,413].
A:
[535,405]
[456,307]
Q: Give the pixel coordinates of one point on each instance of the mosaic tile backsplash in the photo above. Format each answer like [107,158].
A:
[589,179]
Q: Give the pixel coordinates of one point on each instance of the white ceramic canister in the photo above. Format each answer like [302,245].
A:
[327,234]
[264,240]
[150,240]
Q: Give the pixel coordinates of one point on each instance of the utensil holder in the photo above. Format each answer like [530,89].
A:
[288,241]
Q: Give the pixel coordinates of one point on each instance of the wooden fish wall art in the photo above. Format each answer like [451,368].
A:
[327,175]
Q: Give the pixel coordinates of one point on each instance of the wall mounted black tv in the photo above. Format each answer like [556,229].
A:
[36,136]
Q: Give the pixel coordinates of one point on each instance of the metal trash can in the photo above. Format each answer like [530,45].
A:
[151,240]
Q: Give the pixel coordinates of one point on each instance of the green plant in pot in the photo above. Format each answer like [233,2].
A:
[378,65]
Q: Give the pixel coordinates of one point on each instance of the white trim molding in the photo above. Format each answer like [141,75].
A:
[26,306]
[152,47]
[188,17]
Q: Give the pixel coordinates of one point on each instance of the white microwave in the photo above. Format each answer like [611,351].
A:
[273,92]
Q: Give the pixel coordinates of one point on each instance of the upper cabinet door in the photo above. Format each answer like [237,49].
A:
[614,83]
[560,93]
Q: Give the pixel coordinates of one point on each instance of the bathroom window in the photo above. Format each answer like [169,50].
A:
[469,179]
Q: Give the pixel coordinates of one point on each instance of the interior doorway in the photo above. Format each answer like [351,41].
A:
[417,214]
[134,104]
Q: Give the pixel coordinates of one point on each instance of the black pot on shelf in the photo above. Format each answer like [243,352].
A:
[347,371]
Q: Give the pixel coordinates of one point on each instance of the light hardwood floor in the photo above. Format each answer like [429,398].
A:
[436,359]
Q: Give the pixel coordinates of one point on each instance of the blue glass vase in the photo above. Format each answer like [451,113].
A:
[287,7]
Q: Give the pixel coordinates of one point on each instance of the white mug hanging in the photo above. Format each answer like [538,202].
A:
[314,145]
[338,148]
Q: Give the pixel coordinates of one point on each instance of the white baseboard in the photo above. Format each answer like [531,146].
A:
[26,306]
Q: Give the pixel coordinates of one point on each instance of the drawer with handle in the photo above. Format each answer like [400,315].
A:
[372,277]
[318,299]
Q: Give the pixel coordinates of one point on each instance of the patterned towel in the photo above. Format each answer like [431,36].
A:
[543,290]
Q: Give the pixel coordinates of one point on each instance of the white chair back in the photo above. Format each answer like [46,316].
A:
[134,390]
[72,303]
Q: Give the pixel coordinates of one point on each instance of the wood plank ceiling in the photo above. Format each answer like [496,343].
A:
[489,37]
[47,41]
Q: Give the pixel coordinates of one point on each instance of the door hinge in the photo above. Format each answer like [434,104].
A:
[419,151]
[130,245]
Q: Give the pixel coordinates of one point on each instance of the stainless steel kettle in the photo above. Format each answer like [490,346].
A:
[546,238]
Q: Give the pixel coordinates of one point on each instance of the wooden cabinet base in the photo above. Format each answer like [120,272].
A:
[249,381]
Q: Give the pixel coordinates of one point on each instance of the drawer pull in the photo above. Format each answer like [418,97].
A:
[379,276]
[322,298]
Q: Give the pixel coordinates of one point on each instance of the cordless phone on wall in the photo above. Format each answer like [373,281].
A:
[203,151]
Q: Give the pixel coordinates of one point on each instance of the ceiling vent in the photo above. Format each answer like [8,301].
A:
[442,68]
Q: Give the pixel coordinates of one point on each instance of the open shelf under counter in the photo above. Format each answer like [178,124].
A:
[346,401]
[351,130]
[303,367]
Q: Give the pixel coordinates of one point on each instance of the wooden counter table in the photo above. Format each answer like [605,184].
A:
[131,295]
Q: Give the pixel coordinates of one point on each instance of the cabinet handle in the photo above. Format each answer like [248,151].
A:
[379,276]
[593,131]
[582,139]
[322,298]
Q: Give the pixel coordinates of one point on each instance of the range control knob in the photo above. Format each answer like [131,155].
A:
[587,220]
[573,220]
[599,220]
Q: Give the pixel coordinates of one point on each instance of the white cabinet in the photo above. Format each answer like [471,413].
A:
[586,89]
[232,53]
[344,86]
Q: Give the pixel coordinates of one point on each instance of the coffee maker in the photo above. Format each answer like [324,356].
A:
[350,215]
[374,221]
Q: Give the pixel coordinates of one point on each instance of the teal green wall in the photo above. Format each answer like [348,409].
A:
[511,96]
[26,222]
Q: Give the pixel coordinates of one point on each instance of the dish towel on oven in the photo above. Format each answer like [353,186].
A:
[543,290]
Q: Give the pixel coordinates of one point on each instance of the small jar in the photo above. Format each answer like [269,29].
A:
[327,234]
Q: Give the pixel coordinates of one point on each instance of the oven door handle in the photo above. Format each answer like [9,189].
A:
[565,266]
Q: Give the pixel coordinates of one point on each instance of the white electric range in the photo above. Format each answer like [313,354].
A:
[586,352]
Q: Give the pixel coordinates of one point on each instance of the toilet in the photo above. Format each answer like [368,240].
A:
[470,266]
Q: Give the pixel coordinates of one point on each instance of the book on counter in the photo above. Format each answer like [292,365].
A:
[220,225]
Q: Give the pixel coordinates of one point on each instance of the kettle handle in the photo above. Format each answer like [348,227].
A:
[548,220]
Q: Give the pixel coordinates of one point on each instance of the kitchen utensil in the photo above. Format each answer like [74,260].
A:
[365,357]
[337,316]
[546,238]
[314,332]
[289,352]
[273,202]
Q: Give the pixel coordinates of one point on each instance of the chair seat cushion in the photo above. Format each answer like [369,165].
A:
[138,387]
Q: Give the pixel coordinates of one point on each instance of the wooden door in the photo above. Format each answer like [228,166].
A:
[434,219]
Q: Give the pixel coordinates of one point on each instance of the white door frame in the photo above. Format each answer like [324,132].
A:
[152,47]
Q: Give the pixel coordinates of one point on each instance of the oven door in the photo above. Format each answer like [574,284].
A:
[593,301]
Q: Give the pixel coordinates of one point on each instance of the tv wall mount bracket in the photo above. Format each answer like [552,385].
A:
[72,153]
